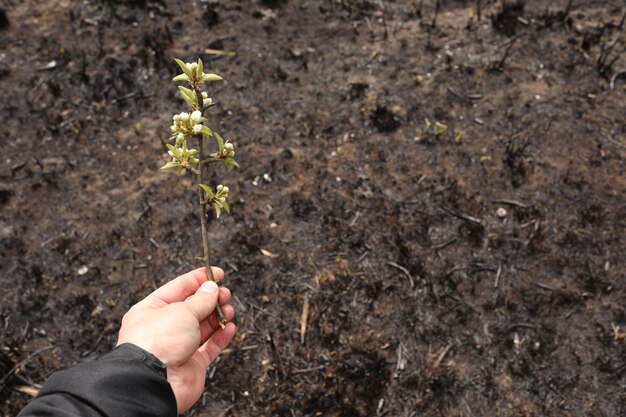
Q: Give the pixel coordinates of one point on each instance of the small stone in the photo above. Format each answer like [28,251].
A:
[501,212]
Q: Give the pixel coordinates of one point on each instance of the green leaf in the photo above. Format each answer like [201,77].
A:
[189,96]
[181,77]
[207,190]
[211,77]
[186,70]
[218,211]
[170,165]
[200,66]
[189,93]
[186,90]
[230,163]
[226,207]
[220,142]
[191,103]
[174,150]
[206,131]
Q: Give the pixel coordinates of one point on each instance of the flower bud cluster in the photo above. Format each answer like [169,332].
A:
[191,66]
[185,125]
[222,193]
[182,158]
[216,199]
[228,151]
[193,72]
[206,100]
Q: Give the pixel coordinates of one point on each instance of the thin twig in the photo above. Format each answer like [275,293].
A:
[545,287]
[307,370]
[437,7]
[219,52]
[615,76]
[404,270]
[304,317]
[22,363]
[615,142]
[524,325]
[463,216]
[203,224]
[511,42]
[443,245]
[512,203]
[210,161]
[498,274]
[442,355]
[567,10]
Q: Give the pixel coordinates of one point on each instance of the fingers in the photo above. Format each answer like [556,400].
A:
[203,302]
[224,295]
[182,287]
[217,343]
[210,325]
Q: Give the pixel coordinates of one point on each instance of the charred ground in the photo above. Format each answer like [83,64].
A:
[423,301]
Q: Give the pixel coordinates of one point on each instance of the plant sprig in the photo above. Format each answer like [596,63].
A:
[186,126]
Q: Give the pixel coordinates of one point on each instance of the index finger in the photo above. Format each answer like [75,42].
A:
[182,287]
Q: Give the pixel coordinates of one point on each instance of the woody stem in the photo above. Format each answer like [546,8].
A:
[203,223]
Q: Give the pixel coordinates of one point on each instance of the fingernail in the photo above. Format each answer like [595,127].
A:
[210,287]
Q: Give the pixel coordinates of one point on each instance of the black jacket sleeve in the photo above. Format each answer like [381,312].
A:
[127,382]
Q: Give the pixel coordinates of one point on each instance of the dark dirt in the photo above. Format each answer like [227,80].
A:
[423,301]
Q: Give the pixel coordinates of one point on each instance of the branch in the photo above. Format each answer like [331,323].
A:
[210,161]
[203,224]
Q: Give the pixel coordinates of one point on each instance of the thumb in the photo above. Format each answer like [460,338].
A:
[203,302]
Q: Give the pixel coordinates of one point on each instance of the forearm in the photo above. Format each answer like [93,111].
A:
[126,382]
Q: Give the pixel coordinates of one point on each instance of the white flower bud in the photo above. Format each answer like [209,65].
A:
[229,146]
[170,153]
[188,65]
[194,65]
[207,102]
[197,129]
[184,116]
[180,136]
[205,95]
[220,187]
[196,116]
[176,117]
[222,199]
[173,127]
[226,189]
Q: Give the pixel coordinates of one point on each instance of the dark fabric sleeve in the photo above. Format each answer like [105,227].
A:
[127,382]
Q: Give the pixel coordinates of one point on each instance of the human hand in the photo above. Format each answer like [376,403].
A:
[175,323]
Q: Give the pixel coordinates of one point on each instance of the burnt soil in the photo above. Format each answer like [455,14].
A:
[422,299]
